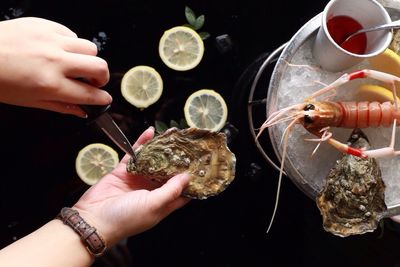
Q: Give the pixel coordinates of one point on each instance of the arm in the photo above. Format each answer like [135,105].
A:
[39,63]
[119,206]
[54,244]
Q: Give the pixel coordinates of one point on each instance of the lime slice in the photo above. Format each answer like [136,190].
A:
[181,48]
[372,92]
[206,109]
[141,86]
[94,161]
[388,62]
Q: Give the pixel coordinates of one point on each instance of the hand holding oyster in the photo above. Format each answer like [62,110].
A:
[201,153]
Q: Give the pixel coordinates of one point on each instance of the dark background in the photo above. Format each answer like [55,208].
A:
[38,148]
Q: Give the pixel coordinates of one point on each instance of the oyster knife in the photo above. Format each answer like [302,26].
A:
[105,122]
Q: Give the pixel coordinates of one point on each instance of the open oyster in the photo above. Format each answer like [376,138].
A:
[353,199]
[202,153]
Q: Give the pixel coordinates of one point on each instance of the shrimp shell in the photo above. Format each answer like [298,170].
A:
[351,115]
[367,114]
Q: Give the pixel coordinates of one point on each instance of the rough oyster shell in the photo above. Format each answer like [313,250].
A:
[202,153]
[353,200]
[395,44]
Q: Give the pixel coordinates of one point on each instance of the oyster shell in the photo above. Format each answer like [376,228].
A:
[353,199]
[395,44]
[202,153]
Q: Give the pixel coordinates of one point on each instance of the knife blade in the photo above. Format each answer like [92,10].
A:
[104,121]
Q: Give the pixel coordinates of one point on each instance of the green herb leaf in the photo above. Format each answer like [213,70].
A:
[189,26]
[190,15]
[199,22]
[381,225]
[183,124]
[160,126]
[173,123]
[204,35]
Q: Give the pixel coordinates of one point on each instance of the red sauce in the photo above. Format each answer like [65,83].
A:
[340,27]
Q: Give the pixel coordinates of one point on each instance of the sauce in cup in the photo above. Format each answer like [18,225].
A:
[340,27]
[341,18]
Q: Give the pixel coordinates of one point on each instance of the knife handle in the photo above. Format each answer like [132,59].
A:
[93,111]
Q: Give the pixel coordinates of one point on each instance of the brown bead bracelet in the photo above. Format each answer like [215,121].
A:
[88,234]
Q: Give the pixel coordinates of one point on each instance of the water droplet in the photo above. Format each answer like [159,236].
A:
[12,224]
[14,9]
[253,171]
[224,43]
[100,40]
[230,131]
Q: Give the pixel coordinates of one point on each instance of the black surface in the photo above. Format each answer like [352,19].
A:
[39,148]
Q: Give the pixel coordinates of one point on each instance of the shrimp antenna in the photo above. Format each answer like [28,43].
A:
[296,118]
[283,115]
[285,143]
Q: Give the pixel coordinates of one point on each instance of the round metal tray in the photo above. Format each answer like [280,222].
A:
[294,78]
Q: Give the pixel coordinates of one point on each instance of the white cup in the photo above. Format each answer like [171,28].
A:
[329,55]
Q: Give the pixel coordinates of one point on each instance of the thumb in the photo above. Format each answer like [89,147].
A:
[170,191]
[396,218]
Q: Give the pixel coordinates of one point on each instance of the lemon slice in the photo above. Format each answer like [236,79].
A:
[94,161]
[181,48]
[372,92]
[206,109]
[141,86]
[388,62]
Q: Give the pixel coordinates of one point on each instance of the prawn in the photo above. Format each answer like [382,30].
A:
[318,116]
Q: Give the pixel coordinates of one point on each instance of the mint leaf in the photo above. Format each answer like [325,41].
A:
[173,123]
[189,26]
[160,126]
[190,15]
[199,22]
[183,124]
[204,35]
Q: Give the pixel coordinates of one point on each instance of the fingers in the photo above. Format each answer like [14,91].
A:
[76,92]
[79,46]
[61,29]
[396,218]
[57,27]
[91,68]
[169,192]
[176,204]
[64,108]
[143,138]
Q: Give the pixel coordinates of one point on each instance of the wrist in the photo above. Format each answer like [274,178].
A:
[110,232]
[90,237]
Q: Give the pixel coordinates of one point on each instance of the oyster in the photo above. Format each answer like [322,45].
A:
[202,153]
[353,199]
[395,44]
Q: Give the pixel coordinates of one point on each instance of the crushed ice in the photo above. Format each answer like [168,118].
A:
[302,77]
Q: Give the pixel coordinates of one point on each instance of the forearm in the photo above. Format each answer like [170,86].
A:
[52,245]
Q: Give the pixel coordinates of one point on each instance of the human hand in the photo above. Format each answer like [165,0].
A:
[396,218]
[122,205]
[39,63]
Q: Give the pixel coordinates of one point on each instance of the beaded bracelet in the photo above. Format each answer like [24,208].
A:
[88,234]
